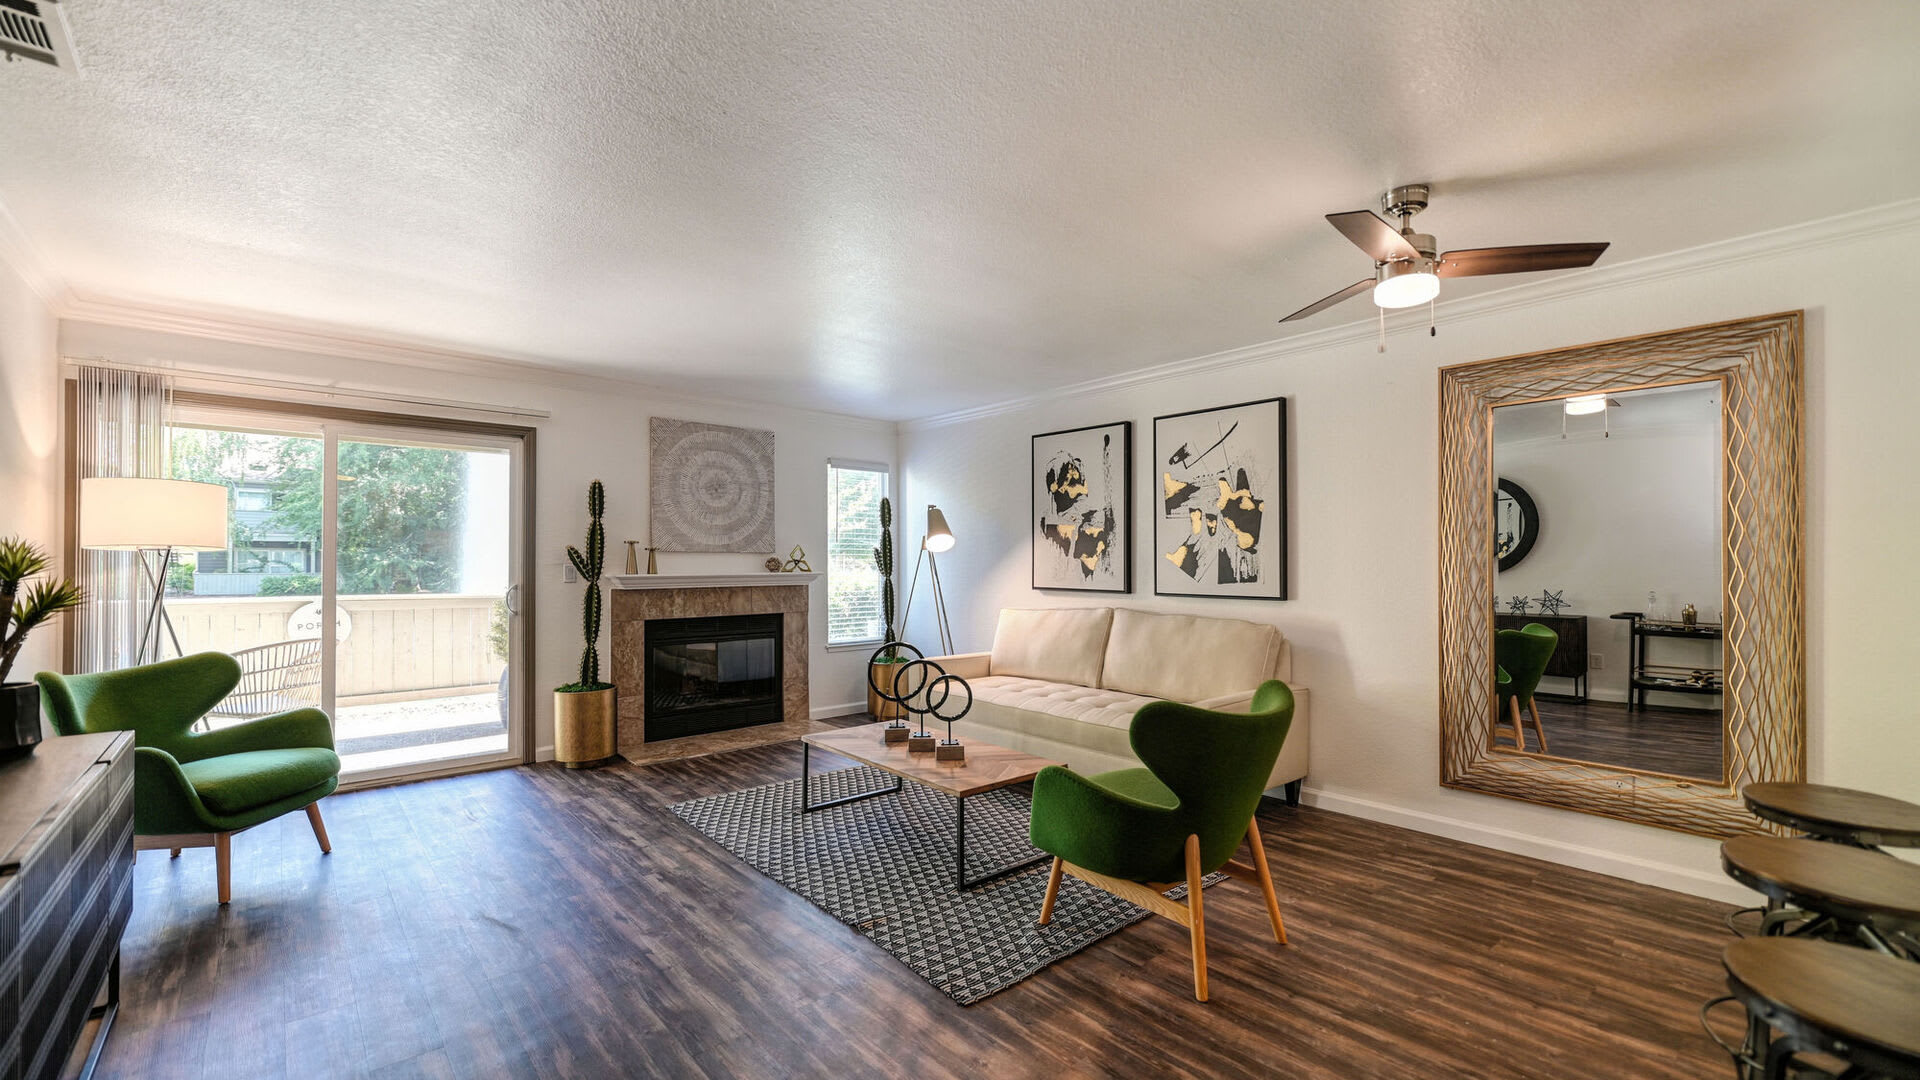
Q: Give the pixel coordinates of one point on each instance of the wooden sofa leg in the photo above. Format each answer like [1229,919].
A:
[1266,880]
[319,828]
[1196,910]
[175,855]
[223,863]
[1053,890]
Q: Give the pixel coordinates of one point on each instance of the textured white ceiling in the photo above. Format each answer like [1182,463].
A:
[900,209]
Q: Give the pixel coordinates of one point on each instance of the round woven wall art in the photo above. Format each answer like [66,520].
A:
[711,486]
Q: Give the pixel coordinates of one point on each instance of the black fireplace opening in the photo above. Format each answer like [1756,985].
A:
[712,674]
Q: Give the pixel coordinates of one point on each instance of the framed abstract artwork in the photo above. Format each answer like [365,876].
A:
[1220,492]
[1083,509]
[710,486]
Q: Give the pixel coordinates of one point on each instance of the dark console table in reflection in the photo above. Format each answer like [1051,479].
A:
[1569,660]
[1643,676]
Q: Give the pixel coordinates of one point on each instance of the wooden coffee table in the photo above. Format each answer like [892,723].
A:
[987,768]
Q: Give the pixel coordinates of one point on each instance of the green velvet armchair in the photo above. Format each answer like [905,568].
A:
[1138,832]
[196,789]
[1522,656]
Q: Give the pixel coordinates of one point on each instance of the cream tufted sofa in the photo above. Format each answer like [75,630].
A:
[1064,683]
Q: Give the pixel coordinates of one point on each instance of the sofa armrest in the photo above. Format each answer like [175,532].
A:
[1237,702]
[973,665]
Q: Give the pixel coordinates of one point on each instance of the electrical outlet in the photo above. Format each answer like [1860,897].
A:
[1596,662]
[570,575]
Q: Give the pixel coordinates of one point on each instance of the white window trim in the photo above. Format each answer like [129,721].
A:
[886,472]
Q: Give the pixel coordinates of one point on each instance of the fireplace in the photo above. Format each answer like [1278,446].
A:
[712,674]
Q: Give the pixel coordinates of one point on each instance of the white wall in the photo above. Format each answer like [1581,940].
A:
[1363,472]
[1622,512]
[30,448]
[599,432]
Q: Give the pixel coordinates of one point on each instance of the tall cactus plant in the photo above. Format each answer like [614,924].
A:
[883,559]
[589,566]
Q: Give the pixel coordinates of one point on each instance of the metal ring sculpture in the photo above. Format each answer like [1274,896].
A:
[923,692]
[946,692]
[891,649]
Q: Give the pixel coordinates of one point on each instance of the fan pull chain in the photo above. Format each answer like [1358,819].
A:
[1383,329]
[1431,332]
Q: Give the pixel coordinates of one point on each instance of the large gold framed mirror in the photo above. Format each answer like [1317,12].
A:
[1621,550]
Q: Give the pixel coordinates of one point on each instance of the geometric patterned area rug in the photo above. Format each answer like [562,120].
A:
[885,866]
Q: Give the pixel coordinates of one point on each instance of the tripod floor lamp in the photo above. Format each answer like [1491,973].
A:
[938,538]
[153,518]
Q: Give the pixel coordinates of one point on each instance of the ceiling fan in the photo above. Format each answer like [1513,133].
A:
[1407,272]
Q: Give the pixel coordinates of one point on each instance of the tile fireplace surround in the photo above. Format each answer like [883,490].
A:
[639,597]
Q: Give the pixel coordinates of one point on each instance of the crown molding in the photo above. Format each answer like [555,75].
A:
[324,340]
[17,250]
[1874,221]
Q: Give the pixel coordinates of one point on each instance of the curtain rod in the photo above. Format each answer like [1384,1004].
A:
[322,390]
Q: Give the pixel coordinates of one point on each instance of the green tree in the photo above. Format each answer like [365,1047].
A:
[400,512]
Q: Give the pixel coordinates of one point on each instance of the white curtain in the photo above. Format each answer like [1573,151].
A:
[120,429]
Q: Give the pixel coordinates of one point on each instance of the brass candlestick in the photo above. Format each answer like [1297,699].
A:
[653,565]
[633,556]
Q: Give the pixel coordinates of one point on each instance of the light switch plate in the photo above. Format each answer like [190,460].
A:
[1595,661]
[568,573]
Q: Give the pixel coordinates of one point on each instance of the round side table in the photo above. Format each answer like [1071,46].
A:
[1841,893]
[1841,815]
[1818,997]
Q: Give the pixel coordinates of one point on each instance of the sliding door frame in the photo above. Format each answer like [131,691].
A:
[336,423]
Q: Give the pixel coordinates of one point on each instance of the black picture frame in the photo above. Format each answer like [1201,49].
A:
[1529,525]
[1052,563]
[1251,459]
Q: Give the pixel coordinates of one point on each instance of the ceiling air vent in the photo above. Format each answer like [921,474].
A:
[36,30]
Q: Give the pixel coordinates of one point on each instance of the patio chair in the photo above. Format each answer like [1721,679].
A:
[274,678]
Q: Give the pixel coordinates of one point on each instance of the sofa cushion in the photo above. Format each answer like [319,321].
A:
[236,783]
[1187,657]
[1052,644]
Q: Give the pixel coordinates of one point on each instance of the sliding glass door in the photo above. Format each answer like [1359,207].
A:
[371,572]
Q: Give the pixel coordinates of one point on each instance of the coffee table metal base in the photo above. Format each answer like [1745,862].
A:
[960,879]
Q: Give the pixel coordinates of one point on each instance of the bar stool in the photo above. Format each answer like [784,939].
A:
[1830,891]
[1840,815]
[1821,998]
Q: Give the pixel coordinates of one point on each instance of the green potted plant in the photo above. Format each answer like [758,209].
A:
[19,614]
[583,709]
[882,669]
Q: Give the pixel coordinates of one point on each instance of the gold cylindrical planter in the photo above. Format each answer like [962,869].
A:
[881,708]
[583,728]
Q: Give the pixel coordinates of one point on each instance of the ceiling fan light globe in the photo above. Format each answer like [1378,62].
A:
[1405,284]
[1586,404]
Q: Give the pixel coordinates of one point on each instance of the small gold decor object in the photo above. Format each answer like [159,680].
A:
[797,561]
[773,564]
[633,556]
[653,564]
[1688,616]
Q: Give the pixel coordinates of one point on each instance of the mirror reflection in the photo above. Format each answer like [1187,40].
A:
[1607,593]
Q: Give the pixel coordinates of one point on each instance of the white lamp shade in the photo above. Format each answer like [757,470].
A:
[939,537]
[126,513]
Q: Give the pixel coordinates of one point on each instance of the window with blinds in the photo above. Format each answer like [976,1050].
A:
[854,491]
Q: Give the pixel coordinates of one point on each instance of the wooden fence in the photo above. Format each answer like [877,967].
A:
[409,642]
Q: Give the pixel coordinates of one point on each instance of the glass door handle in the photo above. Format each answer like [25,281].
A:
[512,599]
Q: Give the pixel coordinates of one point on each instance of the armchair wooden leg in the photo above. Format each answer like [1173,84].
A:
[1519,737]
[1196,886]
[319,827]
[1266,879]
[1053,890]
[1533,705]
[223,863]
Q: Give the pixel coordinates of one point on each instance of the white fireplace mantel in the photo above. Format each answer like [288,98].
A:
[708,581]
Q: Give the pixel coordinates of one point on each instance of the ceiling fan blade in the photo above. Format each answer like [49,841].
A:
[1318,306]
[1371,234]
[1474,262]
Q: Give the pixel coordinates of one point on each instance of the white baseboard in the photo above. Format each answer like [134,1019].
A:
[543,753]
[822,712]
[1666,876]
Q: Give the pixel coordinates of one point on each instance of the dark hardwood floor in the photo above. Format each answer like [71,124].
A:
[541,922]
[1684,742]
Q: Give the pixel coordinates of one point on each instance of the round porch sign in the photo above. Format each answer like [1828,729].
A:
[305,622]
